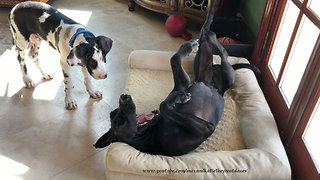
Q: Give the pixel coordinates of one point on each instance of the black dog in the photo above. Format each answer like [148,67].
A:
[190,113]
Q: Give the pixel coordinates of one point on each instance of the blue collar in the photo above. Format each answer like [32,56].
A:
[71,42]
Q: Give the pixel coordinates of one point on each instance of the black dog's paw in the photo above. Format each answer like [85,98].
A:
[183,97]
[211,37]
[188,47]
[177,97]
[194,45]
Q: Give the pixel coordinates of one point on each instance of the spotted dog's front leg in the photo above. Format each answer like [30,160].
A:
[87,81]
[69,100]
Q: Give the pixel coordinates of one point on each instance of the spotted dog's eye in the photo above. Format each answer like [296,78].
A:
[98,51]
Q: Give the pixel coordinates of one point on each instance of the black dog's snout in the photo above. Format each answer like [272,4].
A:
[125,97]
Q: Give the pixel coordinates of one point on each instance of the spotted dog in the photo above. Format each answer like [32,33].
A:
[32,22]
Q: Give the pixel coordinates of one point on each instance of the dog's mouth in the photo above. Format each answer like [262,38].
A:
[100,77]
[126,104]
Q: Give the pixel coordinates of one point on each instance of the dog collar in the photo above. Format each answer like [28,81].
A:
[71,42]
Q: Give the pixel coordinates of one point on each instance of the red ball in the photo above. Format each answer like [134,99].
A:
[176,25]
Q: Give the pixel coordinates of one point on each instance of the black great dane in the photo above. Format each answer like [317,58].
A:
[190,113]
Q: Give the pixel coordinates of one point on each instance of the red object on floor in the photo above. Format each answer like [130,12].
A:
[176,25]
[228,40]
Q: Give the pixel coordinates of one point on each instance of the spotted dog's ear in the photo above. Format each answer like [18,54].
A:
[104,43]
[80,54]
[72,59]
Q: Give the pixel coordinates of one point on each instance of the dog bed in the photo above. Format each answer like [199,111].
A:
[245,144]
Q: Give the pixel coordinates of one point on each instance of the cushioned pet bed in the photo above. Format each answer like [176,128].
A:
[245,144]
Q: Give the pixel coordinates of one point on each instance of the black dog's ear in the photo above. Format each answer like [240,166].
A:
[104,43]
[114,113]
[104,140]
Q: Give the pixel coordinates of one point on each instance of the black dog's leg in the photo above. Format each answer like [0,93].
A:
[203,62]
[203,59]
[181,78]
[227,72]
[220,76]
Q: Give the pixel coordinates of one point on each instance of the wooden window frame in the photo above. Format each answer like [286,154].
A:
[291,121]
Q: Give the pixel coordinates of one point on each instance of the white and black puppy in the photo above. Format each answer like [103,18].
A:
[32,22]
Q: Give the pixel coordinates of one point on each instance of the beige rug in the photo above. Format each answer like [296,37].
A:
[149,87]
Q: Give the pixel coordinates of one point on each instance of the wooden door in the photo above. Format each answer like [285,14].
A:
[287,52]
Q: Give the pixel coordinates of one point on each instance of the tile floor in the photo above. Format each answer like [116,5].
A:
[39,139]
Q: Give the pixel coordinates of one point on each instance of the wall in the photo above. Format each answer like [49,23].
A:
[252,11]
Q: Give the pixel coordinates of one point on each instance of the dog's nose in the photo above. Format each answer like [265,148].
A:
[103,77]
[125,96]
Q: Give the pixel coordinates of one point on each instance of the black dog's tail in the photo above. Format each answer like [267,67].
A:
[255,70]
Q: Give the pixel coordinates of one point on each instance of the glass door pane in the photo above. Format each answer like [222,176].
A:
[283,38]
[314,5]
[298,59]
[311,136]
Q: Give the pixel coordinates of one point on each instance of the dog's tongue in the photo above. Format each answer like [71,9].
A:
[142,118]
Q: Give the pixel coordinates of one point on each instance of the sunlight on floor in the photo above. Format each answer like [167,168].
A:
[11,76]
[81,17]
[49,61]
[10,169]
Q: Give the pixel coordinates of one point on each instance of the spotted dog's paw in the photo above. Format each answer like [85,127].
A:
[28,82]
[47,76]
[95,94]
[71,104]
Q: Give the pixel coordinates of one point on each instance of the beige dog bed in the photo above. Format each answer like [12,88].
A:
[245,144]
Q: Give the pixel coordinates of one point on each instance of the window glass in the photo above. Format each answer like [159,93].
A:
[283,38]
[311,136]
[303,46]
